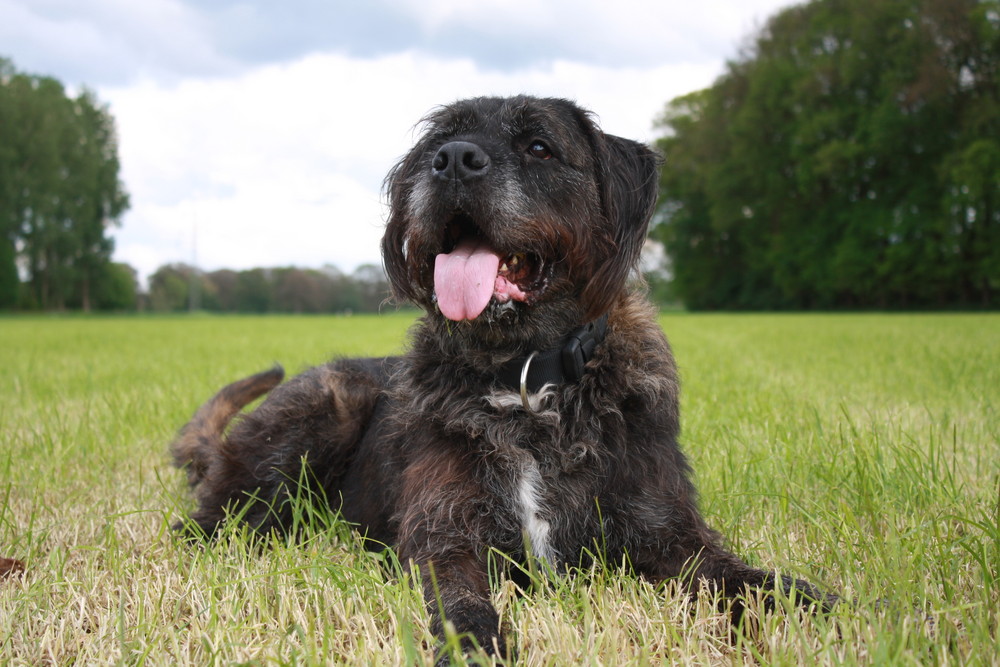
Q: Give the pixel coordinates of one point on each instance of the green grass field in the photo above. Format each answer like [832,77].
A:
[858,451]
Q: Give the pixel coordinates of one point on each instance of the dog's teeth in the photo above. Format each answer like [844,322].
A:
[515,260]
[503,268]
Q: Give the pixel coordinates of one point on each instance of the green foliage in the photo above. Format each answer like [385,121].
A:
[177,287]
[169,288]
[59,190]
[117,287]
[849,158]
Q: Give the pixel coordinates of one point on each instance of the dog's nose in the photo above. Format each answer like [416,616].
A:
[460,160]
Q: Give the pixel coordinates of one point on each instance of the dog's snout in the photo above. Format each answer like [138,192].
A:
[460,161]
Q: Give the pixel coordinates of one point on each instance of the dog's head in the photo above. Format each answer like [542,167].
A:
[517,217]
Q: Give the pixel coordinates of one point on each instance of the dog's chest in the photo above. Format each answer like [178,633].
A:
[530,498]
[543,459]
[537,471]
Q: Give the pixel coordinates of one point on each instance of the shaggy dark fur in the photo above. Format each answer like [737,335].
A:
[428,451]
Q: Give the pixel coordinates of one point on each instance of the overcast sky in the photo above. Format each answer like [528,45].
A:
[257,133]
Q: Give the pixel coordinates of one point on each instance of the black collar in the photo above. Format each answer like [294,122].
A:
[558,365]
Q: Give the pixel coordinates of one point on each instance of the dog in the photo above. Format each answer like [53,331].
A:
[535,412]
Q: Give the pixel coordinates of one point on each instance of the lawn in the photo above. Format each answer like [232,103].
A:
[858,451]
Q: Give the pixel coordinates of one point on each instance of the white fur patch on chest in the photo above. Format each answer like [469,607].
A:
[529,495]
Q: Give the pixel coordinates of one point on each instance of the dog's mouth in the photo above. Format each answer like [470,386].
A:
[471,273]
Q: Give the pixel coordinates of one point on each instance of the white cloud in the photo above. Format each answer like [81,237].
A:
[625,32]
[114,39]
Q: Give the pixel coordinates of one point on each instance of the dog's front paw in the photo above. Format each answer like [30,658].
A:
[496,653]
[473,648]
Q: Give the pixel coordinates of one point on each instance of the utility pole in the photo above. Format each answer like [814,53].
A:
[194,285]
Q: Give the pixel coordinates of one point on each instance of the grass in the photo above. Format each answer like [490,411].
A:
[858,451]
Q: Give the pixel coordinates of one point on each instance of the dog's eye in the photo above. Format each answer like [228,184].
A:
[539,150]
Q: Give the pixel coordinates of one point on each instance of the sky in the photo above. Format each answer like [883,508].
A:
[258,133]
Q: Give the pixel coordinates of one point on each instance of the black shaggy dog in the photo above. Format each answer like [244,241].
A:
[537,408]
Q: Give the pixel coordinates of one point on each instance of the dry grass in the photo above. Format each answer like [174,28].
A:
[858,451]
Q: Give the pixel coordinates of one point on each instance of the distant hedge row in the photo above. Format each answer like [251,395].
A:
[178,287]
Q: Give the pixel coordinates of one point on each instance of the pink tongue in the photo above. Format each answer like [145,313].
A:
[464,279]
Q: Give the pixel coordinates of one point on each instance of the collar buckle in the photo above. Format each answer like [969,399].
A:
[579,347]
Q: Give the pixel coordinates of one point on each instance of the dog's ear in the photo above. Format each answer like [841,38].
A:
[629,182]
[397,189]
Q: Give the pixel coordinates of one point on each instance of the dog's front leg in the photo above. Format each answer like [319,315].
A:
[456,590]
[442,532]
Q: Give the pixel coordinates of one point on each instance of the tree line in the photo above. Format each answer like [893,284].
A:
[849,157]
[60,193]
[180,287]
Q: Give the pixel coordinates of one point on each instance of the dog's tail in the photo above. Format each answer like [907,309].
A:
[199,440]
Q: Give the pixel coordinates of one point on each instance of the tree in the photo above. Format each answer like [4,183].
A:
[254,289]
[224,285]
[300,291]
[372,285]
[115,287]
[97,199]
[169,287]
[848,158]
[345,295]
[59,189]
